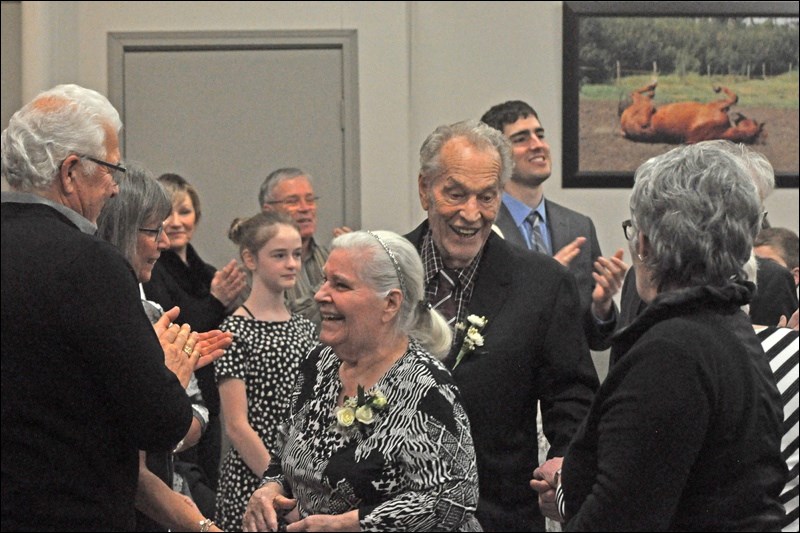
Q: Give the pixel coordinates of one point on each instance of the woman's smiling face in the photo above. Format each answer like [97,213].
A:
[351,309]
[181,223]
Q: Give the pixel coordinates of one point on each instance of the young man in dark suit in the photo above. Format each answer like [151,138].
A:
[532,347]
[567,235]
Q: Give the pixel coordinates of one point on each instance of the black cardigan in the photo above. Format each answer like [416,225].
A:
[684,433]
[187,286]
[84,383]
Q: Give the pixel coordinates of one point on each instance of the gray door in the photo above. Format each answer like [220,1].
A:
[223,115]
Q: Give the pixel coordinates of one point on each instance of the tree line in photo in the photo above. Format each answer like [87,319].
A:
[755,47]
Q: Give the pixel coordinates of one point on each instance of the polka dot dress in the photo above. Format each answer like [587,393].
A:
[265,355]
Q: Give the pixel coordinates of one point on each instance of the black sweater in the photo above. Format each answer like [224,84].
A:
[685,432]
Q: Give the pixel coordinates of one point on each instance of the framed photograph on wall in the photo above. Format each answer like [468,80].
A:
[643,77]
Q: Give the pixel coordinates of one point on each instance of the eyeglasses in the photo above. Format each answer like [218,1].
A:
[626,227]
[155,231]
[294,201]
[117,171]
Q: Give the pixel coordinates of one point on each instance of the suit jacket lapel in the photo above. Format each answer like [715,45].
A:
[492,283]
[509,228]
[558,225]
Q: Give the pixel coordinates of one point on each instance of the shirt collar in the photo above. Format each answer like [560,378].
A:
[520,211]
[433,262]
[18,197]
[542,211]
[517,209]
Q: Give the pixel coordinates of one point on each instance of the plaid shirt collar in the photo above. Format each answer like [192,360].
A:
[433,263]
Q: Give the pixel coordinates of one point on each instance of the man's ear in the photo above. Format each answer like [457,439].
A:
[796,274]
[67,173]
[424,192]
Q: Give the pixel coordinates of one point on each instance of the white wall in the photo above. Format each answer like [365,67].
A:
[10,86]
[421,64]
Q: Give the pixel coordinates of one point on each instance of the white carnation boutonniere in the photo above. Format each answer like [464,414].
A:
[359,412]
[472,338]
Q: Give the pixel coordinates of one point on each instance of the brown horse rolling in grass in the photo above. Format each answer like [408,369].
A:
[686,122]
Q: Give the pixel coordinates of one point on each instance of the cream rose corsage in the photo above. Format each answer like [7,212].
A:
[358,412]
[472,338]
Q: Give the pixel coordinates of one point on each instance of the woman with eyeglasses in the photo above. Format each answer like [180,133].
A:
[205,296]
[684,434]
[133,222]
[776,297]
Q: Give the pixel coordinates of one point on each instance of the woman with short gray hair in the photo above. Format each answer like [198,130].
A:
[684,433]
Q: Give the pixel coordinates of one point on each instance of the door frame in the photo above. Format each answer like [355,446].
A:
[121,43]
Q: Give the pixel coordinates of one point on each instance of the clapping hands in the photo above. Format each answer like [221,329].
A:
[212,345]
[570,251]
[609,273]
[178,343]
[228,283]
[185,350]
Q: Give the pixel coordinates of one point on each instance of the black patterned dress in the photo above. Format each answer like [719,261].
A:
[412,469]
[266,356]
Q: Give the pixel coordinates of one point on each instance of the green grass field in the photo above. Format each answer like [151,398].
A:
[777,92]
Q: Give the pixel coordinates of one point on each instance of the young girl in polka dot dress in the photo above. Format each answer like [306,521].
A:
[257,373]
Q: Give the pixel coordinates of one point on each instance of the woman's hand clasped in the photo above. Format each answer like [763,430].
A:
[545,482]
[264,507]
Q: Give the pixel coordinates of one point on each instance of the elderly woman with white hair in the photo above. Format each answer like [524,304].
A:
[684,433]
[377,438]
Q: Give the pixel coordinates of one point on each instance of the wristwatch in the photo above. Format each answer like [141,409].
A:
[557,478]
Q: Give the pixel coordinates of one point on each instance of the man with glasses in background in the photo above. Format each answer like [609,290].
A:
[84,385]
[290,190]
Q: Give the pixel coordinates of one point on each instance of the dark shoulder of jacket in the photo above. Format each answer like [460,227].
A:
[161,284]
[526,260]
[549,204]
[415,236]
[104,256]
